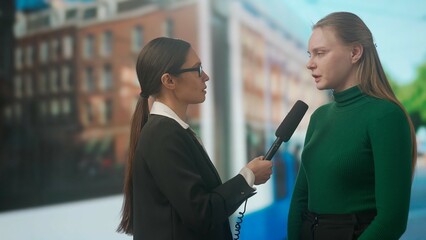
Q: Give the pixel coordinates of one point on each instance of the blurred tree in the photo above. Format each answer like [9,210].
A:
[413,96]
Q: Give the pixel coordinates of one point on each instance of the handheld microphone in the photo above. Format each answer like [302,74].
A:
[287,127]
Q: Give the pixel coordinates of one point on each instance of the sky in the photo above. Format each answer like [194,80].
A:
[398,27]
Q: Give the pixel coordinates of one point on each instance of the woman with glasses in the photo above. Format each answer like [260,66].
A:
[172,190]
[360,150]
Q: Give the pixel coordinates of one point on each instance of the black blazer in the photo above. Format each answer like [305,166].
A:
[177,192]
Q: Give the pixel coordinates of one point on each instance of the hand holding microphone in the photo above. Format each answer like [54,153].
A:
[261,169]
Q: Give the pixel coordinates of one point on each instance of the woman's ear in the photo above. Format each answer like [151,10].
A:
[357,51]
[168,81]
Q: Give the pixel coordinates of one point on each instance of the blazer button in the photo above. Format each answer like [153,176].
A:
[242,193]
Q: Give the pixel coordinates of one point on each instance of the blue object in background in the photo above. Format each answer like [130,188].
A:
[34,5]
[31,5]
[271,222]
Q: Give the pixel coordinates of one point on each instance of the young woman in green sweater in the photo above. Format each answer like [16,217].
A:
[360,151]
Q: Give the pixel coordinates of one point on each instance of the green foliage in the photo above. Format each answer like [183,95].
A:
[413,95]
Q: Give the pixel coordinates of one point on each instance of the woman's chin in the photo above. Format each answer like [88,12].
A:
[321,86]
[199,100]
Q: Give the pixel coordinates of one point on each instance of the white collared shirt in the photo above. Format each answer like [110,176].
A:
[159,108]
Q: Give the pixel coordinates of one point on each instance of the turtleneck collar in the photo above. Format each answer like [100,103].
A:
[348,97]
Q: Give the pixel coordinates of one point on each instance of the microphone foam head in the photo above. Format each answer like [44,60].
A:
[291,121]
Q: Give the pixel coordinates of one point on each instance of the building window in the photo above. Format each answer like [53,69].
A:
[89,13]
[7,113]
[68,47]
[54,81]
[43,52]
[89,79]
[71,14]
[102,110]
[106,81]
[18,58]
[106,111]
[54,108]
[18,111]
[28,85]
[42,82]
[89,44]
[54,49]
[66,79]
[42,108]
[106,43]
[89,113]
[169,28]
[29,56]
[125,6]
[39,22]
[137,39]
[18,86]
[66,106]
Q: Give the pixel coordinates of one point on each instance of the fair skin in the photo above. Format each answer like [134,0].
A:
[333,64]
[178,91]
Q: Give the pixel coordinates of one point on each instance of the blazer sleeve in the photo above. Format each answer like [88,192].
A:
[170,159]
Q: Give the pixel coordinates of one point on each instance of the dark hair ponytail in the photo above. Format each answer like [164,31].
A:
[159,56]
[138,121]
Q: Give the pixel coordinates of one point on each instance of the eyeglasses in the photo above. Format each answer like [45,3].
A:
[198,69]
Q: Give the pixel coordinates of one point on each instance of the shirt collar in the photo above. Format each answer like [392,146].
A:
[162,109]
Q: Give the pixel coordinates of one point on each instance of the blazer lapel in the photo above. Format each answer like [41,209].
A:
[203,151]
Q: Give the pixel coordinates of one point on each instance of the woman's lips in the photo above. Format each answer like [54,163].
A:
[316,77]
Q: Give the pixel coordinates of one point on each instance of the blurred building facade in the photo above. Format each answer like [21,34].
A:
[66,114]
[72,93]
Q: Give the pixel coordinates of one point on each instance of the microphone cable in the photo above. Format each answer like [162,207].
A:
[239,221]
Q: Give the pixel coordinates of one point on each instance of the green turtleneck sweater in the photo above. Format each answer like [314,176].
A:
[357,157]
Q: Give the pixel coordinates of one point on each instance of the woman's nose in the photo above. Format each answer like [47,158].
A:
[310,64]
[205,77]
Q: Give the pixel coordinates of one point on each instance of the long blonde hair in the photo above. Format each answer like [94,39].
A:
[350,29]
